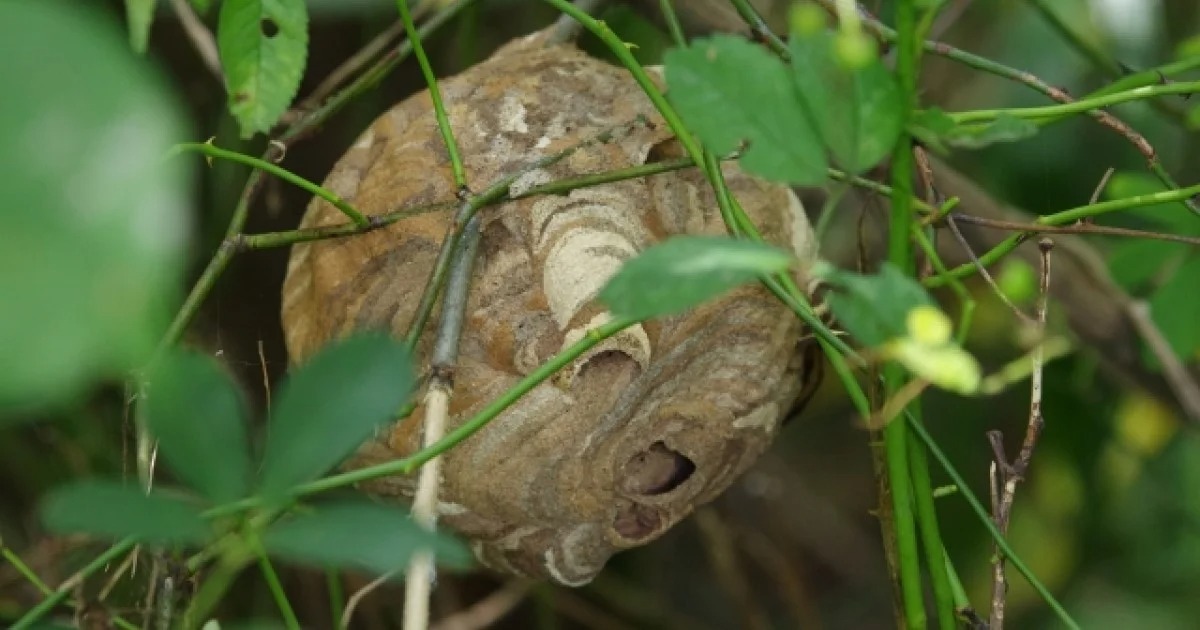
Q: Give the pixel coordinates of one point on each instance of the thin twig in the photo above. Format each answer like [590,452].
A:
[354,600]
[202,39]
[1101,185]
[987,276]
[949,16]
[1012,474]
[355,63]
[487,611]
[1078,228]
[1177,376]
[727,567]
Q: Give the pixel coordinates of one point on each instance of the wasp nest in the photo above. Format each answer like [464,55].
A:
[634,435]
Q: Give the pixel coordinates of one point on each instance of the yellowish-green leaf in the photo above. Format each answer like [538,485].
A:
[928,352]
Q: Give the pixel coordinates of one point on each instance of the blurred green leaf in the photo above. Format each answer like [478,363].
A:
[198,417]
[873,308]
[361,535]
[684,271]
[929,126]
[92,219]
[331,405]
[1176,309]
[139,14]
[856,110]
[729,90]
[1018,281]
[1005,128]
[115,510]
[935,129]
[1135,262]
[201,6]
[263,46]
[1159,521]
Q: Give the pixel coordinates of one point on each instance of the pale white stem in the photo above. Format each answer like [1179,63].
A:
[421,571]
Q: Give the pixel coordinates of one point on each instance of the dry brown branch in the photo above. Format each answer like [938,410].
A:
[1009,475]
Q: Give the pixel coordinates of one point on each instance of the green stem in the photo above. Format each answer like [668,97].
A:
[1151,76]
[284,174]
[567,184]
[337,596]
[1080,106]
[98,563]
[761,30]
[268,240]
[276,588]
[25,571]
[931,537]
[895,434]
[435,94]
[1060,218]
[673,26]
[621,51]
[282,239]
[211,591]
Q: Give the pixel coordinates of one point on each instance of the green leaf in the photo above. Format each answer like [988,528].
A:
[332,405]
[873,308]
[198,417]
[936,129]
[929,126]
[1176,309]
[684,271]
[1018,281]
[139,14]
[856,110]
[114,510]
[262,45]
[94,221]
[360,535]
[1005,128]
[729,90]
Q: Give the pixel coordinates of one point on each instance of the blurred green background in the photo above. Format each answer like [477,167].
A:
[1109,517]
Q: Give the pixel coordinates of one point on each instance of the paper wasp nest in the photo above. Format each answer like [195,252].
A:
[625,442]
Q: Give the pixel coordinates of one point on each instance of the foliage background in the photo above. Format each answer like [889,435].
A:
[1108,517]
